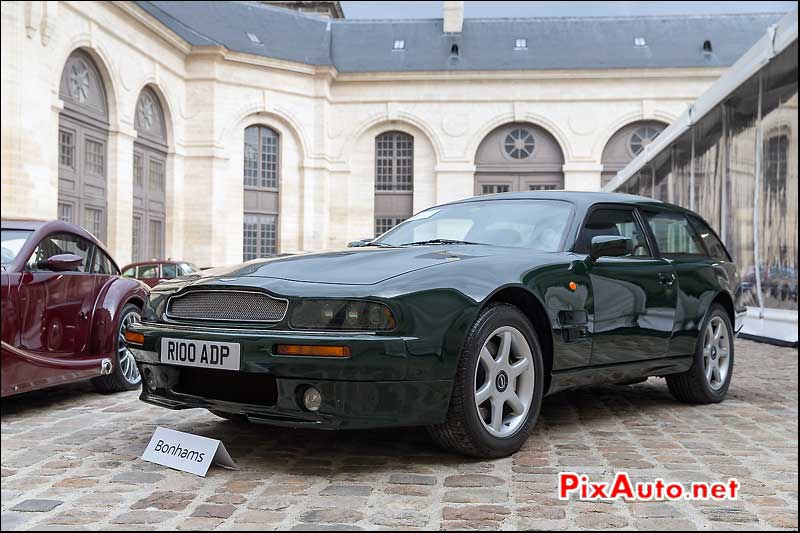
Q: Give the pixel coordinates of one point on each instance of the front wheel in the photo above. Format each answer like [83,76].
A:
[125,374]
[497,392]
[708,379]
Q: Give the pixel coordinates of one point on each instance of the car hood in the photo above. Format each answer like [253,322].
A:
[354,266]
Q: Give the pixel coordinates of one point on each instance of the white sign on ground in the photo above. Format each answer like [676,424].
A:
[186,452]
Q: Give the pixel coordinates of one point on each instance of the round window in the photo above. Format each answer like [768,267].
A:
[642,137]
[519,143]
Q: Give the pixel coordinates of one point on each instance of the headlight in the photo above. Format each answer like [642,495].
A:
[342,315]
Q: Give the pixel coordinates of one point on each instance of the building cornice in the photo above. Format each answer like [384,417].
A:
[560,75]
[154,25]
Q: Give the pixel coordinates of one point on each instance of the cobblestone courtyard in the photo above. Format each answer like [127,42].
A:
[70,459]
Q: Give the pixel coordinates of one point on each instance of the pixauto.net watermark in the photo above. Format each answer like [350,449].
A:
[622,488]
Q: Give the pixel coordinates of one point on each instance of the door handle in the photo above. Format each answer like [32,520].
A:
[666,279]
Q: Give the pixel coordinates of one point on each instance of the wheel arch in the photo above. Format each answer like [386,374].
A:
[535,312]
[726,301]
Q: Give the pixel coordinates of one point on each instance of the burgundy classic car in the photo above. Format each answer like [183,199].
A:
[154,272]
[64,309]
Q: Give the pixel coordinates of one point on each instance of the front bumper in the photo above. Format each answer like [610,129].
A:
[370,389]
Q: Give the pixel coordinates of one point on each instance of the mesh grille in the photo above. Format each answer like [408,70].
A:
[227,305]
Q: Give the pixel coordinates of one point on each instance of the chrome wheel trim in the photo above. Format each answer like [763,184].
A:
[716,353]
[504,382]
[125,360]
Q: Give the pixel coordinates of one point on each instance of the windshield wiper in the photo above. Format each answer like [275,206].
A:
[438,241]
[380,244]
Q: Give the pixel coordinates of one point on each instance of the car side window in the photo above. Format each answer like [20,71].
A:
[147,272]
[130,273]
[60,243]
[710,239]
[674,235]
[187,268]
[616,222]
[169,271]
[102,264]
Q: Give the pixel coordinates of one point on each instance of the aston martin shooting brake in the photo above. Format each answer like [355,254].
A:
[460,319]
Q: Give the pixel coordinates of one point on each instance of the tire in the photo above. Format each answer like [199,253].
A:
[695,385]
[125,374]
[470,428]
[233,417]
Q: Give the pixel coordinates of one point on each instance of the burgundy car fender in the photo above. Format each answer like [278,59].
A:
[111,299]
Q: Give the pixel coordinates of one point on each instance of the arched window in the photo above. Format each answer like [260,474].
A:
[518,157]
[82,145]
[626,144]
[394,179]
[261,184]
[148,226]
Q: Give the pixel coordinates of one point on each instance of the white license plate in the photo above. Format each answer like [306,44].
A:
[204,354]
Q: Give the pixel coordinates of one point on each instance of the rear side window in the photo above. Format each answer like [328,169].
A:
[147,272]
[710,239]
[674,235]
[130,273]
[169,271]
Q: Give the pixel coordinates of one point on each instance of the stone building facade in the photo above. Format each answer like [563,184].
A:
[213,131]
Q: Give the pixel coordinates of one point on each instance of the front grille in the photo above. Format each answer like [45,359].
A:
[225,305]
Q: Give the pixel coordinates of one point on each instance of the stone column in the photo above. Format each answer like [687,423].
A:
[580,176]
[119,210]
[454,181]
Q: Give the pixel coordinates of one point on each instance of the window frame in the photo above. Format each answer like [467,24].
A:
[637,216]
[89,263]
[394,158]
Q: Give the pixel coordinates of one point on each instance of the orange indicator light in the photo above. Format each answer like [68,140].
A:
[133,337]
[573,286]
[321,351]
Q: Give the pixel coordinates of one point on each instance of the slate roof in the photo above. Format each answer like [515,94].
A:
[484,44]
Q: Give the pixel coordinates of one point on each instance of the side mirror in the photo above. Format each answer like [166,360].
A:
[62,262]
[610,246]
[359,243]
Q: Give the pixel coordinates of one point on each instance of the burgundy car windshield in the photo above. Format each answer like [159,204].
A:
[12,242]
[535,224]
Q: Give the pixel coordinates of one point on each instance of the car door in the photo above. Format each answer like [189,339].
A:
[55,308]
[696,271]
[633,309]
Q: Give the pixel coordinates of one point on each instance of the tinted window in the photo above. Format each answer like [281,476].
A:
[674,235]
[147,271]
[102,264]
[131,272]
[604,222]
[60,243]
[169,271]
[11,243]
[710,239]
[534,224]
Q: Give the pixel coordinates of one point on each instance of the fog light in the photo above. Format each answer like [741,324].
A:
[150,379]
[312,399]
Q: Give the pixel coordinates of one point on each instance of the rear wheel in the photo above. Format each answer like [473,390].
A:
[497,392]
[708,379]
[125,374]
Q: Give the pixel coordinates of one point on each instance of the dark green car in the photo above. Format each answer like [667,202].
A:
[460,319]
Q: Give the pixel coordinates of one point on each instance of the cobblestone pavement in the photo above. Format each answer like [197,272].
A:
[70,459]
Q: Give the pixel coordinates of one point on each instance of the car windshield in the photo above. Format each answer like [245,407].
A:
[535,224]
[12,242]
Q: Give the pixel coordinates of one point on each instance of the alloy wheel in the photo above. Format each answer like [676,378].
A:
[716,353]
[504,382]
[127,364]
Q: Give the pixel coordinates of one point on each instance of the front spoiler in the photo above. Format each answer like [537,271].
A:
[345,404]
